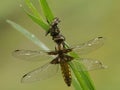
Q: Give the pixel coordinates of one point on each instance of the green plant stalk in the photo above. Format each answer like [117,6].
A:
[46,10]
[38,21]
[81,76]
[33,9]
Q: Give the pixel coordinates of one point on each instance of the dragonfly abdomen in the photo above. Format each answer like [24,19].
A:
[66,73]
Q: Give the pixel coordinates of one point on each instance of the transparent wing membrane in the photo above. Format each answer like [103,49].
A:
[30,55]
[41,73]
[89,46]
[90,64]
[48,70]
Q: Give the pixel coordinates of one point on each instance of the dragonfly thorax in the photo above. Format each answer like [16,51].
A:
[62,58]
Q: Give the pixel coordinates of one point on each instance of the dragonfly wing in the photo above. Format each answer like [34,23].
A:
[30,55]
[90,64]
[41,73]
[89,46]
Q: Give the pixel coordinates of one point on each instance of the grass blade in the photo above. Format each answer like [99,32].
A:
[36,16]
[29,35]
[38,21]
[82,77]
[47,11]
[33,9]
[75,83]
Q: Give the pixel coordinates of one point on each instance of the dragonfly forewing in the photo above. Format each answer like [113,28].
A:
[46,71]
[89,46]
[31,55]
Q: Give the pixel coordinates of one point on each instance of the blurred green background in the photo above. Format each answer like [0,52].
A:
[81,20]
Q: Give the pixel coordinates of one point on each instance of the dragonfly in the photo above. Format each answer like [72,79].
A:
[61,59]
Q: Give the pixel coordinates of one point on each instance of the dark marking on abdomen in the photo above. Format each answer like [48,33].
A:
[66,73]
